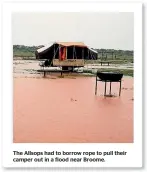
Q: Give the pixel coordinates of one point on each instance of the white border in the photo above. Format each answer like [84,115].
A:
[134,156]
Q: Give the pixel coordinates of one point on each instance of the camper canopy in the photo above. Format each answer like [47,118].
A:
[66,50]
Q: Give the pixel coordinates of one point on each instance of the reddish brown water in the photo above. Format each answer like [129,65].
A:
[66,110]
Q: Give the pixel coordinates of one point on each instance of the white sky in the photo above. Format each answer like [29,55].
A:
[98,30]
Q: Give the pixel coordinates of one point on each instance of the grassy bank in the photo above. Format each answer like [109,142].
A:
[126,72]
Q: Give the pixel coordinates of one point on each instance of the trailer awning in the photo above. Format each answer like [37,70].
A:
[65,44]
[92,50]
[45,47]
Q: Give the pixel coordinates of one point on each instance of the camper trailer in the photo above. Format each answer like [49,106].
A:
[66,54]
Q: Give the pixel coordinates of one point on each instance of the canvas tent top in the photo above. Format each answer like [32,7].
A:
[93,50]
[65,44]
[44,48]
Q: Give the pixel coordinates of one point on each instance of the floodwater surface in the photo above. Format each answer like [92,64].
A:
[66,110]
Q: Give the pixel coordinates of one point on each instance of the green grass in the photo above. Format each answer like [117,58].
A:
[23,54]
[23,51]
[126,72]
[117,61]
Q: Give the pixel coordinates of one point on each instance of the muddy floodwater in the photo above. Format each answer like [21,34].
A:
[66,110]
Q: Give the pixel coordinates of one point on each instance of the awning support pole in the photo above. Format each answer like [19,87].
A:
[83,53]
[59,52]
[73,52]
[54,50]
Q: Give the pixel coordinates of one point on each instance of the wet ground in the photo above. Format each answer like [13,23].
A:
[28,68]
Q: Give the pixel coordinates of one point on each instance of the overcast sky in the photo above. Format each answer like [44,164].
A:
[98,30]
